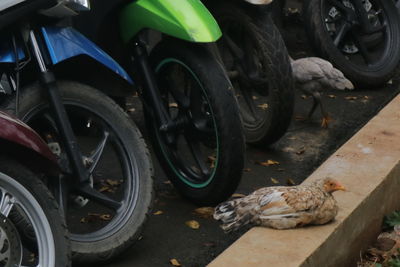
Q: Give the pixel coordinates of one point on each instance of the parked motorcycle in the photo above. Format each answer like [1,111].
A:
[32,229]
[105,190]
[360,37]
[189,107]
[258,65]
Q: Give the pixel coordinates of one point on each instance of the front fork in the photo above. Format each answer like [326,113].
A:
[151,94]
[81,177]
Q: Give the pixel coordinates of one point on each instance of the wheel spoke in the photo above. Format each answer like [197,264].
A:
[341,34]
[98,152]
[339,5]
[250,103]
[196,152]
[363,48]
[6,203]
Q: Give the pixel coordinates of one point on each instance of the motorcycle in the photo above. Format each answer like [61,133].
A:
[32,229]
[258,65]
[360,37]
[189,107]
[105,187]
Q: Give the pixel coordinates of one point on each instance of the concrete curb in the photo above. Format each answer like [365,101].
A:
[369,166]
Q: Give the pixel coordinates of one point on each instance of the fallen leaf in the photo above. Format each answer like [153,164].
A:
[290,182]
[238,195]
[304,96]
[351,98]
[173,105]
[175,262]
[268,163]
[263,106]
[113,182]
[300,152]
[331,96]
[204,212]
[274,181]
[159,212]
[105,217]
[247,170]
[193,224]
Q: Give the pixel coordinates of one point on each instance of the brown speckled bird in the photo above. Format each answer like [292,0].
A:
[282,207]
[312,75]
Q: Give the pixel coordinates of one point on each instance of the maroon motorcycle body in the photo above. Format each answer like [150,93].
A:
[20,141]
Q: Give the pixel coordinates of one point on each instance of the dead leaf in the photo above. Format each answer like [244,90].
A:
[193,224]
[304,96]
[159,212]
[351,98]
[331,96]
[173,105]
[290,182]
[113,182]
[274,181]
[268,163]
[105,217]
[204,212]
[175,262]
[236,195]
[264,106]
[300,152]
[247,170]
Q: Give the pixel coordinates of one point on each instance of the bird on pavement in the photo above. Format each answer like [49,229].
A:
[312,75]
[282,207]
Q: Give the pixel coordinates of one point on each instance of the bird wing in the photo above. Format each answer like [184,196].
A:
[333,77]
[287,200]
[305,70]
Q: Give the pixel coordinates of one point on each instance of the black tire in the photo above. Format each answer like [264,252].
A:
[33,200]
[382,47]
[253,31]
[195,64]
[125,161]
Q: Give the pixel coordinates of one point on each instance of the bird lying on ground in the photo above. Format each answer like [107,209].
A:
[282,207]
[312,75]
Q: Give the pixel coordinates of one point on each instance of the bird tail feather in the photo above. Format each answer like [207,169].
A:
[232,220]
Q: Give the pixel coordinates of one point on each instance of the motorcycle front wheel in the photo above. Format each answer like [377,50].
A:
[364,45]
[23,196]
[258,65]
[204,154]
[116,157]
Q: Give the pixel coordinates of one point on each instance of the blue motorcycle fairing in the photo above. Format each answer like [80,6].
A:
[7,54]
[65,43]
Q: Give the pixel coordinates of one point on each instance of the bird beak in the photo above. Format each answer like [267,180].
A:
[340,187]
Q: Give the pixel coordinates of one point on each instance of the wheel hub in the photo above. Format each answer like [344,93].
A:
[10,243]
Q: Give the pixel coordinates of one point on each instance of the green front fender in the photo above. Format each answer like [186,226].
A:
[185,19]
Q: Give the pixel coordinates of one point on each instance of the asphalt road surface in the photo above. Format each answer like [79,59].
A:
[305,146]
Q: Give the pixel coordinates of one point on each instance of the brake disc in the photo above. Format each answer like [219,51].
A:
[10,244]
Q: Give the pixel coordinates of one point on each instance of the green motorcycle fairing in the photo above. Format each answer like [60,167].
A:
[184,19]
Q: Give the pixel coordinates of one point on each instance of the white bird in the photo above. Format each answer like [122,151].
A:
[282,207]
[312,75]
